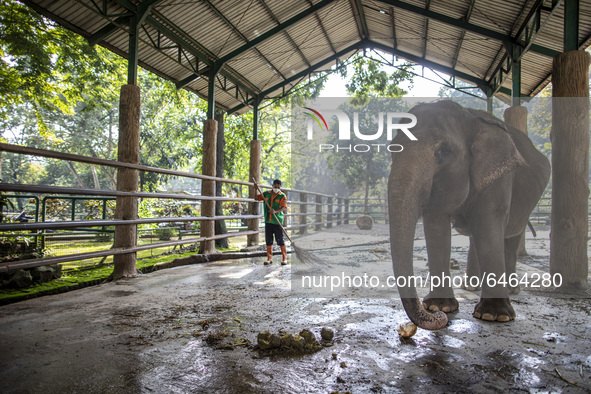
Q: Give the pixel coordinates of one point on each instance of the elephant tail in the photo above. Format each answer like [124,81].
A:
[532,229]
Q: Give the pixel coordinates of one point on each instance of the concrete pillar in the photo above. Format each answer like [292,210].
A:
[127,180]
[516,116]
[303,210]
[570,168]
[253,208]
[210,129]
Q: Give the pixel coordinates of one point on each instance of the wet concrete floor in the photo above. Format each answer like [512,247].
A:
[194,329]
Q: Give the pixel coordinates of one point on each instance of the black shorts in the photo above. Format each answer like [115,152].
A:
[273,229]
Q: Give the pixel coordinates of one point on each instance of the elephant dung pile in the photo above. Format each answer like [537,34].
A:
[304,342]
[407,330]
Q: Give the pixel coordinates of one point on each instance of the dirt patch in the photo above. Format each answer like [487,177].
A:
[169,331]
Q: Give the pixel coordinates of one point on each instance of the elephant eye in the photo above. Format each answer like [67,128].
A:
[442,152]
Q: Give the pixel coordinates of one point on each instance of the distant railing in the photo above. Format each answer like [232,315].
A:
[328,211]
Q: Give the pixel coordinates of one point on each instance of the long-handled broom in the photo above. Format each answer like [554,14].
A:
[305,256]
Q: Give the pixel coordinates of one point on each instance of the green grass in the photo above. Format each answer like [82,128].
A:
[77,278]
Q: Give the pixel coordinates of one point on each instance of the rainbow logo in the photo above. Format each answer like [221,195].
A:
[315,116]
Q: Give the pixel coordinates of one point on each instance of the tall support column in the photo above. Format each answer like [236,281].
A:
[210,129]
[570,167]
[517,117]
[516,78]
[254,173]
[253,207]
[127,180]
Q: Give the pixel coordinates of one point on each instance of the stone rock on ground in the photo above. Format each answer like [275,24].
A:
[20,279]
[42,274]
[364,222]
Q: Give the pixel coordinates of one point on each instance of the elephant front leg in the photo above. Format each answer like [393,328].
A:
[438,239]
[471,280]
[511,248]
[494,303]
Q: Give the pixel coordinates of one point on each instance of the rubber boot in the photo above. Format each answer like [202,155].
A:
[284,255]
[269,255]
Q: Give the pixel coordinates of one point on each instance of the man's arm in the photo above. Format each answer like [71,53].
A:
[282,204]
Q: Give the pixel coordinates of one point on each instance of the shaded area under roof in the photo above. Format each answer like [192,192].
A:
[263,48]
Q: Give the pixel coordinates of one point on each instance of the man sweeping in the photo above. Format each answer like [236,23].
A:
[276,205]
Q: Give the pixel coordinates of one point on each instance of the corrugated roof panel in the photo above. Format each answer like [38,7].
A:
[442,42]
[451,8]
[282,54]
[409,31]
[339,27]
[284,10]
[201,27]
[503,18]
[378,23]
[476,54]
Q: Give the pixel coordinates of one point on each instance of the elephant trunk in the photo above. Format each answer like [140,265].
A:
[407,192]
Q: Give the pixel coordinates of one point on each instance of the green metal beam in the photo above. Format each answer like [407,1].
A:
[571,25]
[108,30]
[255,118]
[463,35]
[426,30]
[132,51]
[267,35]
[516,84]
[462,24]
[359,15]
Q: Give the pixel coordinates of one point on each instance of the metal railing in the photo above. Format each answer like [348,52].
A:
[328,210]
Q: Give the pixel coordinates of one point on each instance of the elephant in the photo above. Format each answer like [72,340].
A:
[469,170]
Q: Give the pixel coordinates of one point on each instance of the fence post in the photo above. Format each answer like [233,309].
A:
[318,213]
[303,211]
[329,213]
[346,211]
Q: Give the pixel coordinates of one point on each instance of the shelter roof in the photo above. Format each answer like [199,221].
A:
[262,48]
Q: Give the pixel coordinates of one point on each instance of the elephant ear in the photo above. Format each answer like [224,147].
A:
[493,152]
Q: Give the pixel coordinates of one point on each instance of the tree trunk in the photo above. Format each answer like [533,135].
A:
[75,174]
[570,168]
[95,178]
[220,225]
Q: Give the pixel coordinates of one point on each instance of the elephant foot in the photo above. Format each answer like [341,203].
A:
[494,309]
[447,304]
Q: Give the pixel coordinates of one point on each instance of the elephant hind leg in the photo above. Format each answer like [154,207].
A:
[511,249]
